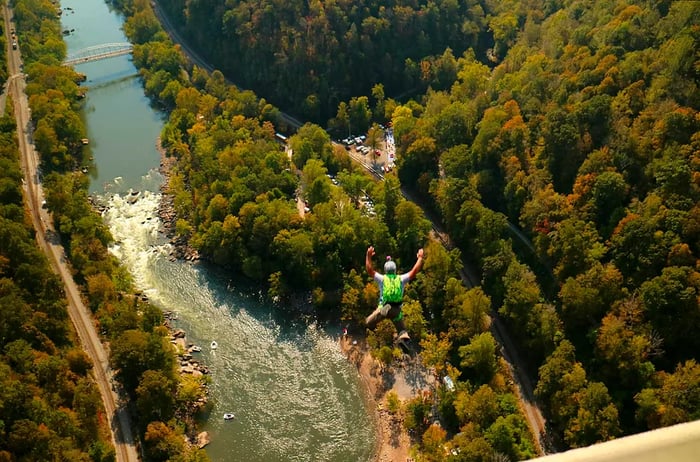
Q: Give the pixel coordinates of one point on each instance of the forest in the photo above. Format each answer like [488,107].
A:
[564,162]
[573,122]
[50,408]
[310,55]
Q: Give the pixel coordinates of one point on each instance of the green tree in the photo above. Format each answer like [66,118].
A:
[317,186]
[480,408]
[675,399]
[480,356]
[575,246]
[360,113]
[295,250]
[670,296]
[162,443]
[155,396]
[596,419]
[412,228]
[435,351]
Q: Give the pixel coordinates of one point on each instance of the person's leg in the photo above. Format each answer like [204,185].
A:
[402,338]
[377,315]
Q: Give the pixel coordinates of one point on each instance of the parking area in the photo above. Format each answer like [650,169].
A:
[381,156]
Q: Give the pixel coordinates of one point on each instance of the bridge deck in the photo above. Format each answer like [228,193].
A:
[97,52]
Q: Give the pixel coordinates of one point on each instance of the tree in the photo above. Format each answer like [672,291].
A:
[155,396]
[587,297]
[575,247]
[419,164]
[161,442]
[455,125]
[501,437]
[670,296]
[391,198]
[624,347]
[553,369]
[294,248]
[675,399]
[310,142]
[379,102]
[87,404]
[609,196]
[412,228]
[360,113]
[100,289]
[413,318]
[382,335]
[354,184]
[142,26]
[435,351]
[374,136]
[480,408]
[596,419]
[135,352]
[470,316]
[403,122]
[522,293]
[480,356]
[471,446]
[561,136]
[342,119]
[433,442]
[416,413]
[317,185]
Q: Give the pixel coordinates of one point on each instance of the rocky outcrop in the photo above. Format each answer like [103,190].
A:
[203,439]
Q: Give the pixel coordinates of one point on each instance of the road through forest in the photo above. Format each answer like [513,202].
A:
[47,238]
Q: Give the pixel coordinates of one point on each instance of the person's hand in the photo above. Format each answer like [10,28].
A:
[420,253]
[384,310]
[370,251]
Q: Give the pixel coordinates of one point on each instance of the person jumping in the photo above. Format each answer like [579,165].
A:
[391,288]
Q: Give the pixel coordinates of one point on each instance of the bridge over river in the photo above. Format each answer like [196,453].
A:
[97,52]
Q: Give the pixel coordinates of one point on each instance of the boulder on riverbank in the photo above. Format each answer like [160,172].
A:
[203,439]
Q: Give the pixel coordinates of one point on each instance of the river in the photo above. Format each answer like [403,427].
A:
[294,395]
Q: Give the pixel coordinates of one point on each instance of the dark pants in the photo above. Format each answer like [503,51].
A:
[394,314]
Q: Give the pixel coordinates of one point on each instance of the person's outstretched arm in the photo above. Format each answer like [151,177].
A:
[368,261]
[417,266]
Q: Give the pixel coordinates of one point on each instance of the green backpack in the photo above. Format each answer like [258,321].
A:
[393,293]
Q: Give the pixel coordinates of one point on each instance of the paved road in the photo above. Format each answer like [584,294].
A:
[118,418]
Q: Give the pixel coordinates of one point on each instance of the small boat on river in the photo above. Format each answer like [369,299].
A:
[229,416]
[214,345]
[196,348]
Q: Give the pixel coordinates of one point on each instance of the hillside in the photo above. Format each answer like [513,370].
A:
[579,127]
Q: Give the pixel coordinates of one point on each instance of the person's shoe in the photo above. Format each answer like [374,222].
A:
[404,342]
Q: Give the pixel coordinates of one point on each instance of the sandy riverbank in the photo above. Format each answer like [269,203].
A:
[406,380]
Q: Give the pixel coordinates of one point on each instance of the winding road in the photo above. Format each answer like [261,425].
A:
[47,238]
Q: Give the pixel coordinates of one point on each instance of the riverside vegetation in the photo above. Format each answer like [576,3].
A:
[50,408]
[580,125]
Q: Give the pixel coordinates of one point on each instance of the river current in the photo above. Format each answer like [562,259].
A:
[294,395]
